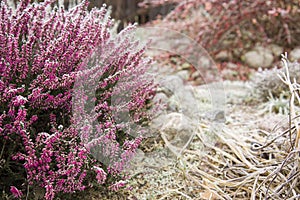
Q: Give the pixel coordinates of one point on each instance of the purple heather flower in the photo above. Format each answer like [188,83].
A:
[44,58]
[101,174]
[116,186]
[17,193]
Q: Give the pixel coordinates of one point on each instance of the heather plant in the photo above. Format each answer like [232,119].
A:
[235,25]
[64,95]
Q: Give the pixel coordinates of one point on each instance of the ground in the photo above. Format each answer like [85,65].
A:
[157,173]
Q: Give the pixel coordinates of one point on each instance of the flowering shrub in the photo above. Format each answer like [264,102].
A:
[62,80]
[234,24]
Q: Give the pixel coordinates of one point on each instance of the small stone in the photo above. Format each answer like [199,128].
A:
[195,75]
[216,116]
[229,74]
[171,83]
[227,43]
[231,65]
[185,66]
[199,81]
[138,157]
[237,52]
[174,104]
[258,57]
[276,50]
[184,74]
[204,62]
[295,54]
[223,56]
[160,98]
[178,129]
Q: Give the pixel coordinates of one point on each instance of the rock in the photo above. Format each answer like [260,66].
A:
[230,71]
[182,100]
[185,66]
[276,50]
[223,56]
[258,57]
[295,54]
[157,123]
[197,78]
[231,65]
[139,156]
[184,74]
[171,82]
[237,52]
[215,116]
[204,62]
[198,81]
[174,104]
[178,129]
[188,104]
[177,96]
[196,74]
[227,43]
[229,74]
[160,98]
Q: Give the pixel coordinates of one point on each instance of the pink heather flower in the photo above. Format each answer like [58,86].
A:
[43,54]
[49,192]
[19,100]
[116,186]
[101,174]
[17,193]
[33,119]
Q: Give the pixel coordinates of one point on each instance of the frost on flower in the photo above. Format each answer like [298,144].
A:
[118,185]
[101,174]
[19,100]
[43,54]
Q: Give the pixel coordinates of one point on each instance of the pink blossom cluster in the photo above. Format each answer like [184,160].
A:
[16,193]
[62,102]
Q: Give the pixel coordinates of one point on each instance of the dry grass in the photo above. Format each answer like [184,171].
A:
[262,165]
